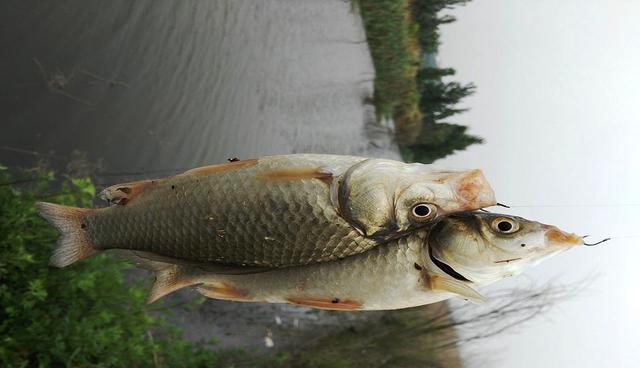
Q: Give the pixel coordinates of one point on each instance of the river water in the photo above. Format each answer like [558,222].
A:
[159,86]
[149,88]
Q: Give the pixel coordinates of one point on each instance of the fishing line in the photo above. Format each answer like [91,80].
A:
[609,238]
[573,205]
[625,237]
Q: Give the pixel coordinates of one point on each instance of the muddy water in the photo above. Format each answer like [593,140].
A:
[148,88]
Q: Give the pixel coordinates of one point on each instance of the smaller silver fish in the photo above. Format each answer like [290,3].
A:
[453,258]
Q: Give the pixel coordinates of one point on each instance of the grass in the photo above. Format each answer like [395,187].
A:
[85,315]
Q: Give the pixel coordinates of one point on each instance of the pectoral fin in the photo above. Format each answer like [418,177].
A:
[439,283]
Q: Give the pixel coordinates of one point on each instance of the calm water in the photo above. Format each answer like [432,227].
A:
[158,86]
[154,87]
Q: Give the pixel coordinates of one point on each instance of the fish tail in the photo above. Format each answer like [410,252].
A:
[74,244]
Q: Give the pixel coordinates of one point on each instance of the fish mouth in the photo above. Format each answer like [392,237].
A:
[557,237]
[446,268]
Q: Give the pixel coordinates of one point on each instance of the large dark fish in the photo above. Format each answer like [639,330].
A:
[276,211]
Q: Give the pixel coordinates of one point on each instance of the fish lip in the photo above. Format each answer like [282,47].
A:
[557,237]
[445,267]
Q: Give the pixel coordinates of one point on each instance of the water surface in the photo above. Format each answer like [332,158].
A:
[152,86]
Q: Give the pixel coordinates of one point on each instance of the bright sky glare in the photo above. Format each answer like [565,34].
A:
[559,108]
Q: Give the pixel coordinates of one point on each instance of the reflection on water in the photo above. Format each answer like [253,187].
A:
[156,87]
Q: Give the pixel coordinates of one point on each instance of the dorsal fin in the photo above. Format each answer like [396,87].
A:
[213,169]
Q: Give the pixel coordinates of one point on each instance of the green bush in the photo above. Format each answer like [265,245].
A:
[85,315]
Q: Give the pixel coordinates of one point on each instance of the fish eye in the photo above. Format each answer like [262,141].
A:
[423,211]
[505,225]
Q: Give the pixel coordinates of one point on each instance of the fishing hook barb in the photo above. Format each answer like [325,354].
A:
[596,243]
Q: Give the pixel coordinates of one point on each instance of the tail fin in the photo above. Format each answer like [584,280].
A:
[73,244]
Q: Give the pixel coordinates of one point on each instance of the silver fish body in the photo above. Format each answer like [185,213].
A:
[454,258]
[390,276]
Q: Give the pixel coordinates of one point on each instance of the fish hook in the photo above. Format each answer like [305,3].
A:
[596,243]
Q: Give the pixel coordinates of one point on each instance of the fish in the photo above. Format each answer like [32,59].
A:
[453,258]
[274,211]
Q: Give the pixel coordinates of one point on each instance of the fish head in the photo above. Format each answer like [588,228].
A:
[386,199]
[425,196]
[485,247]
